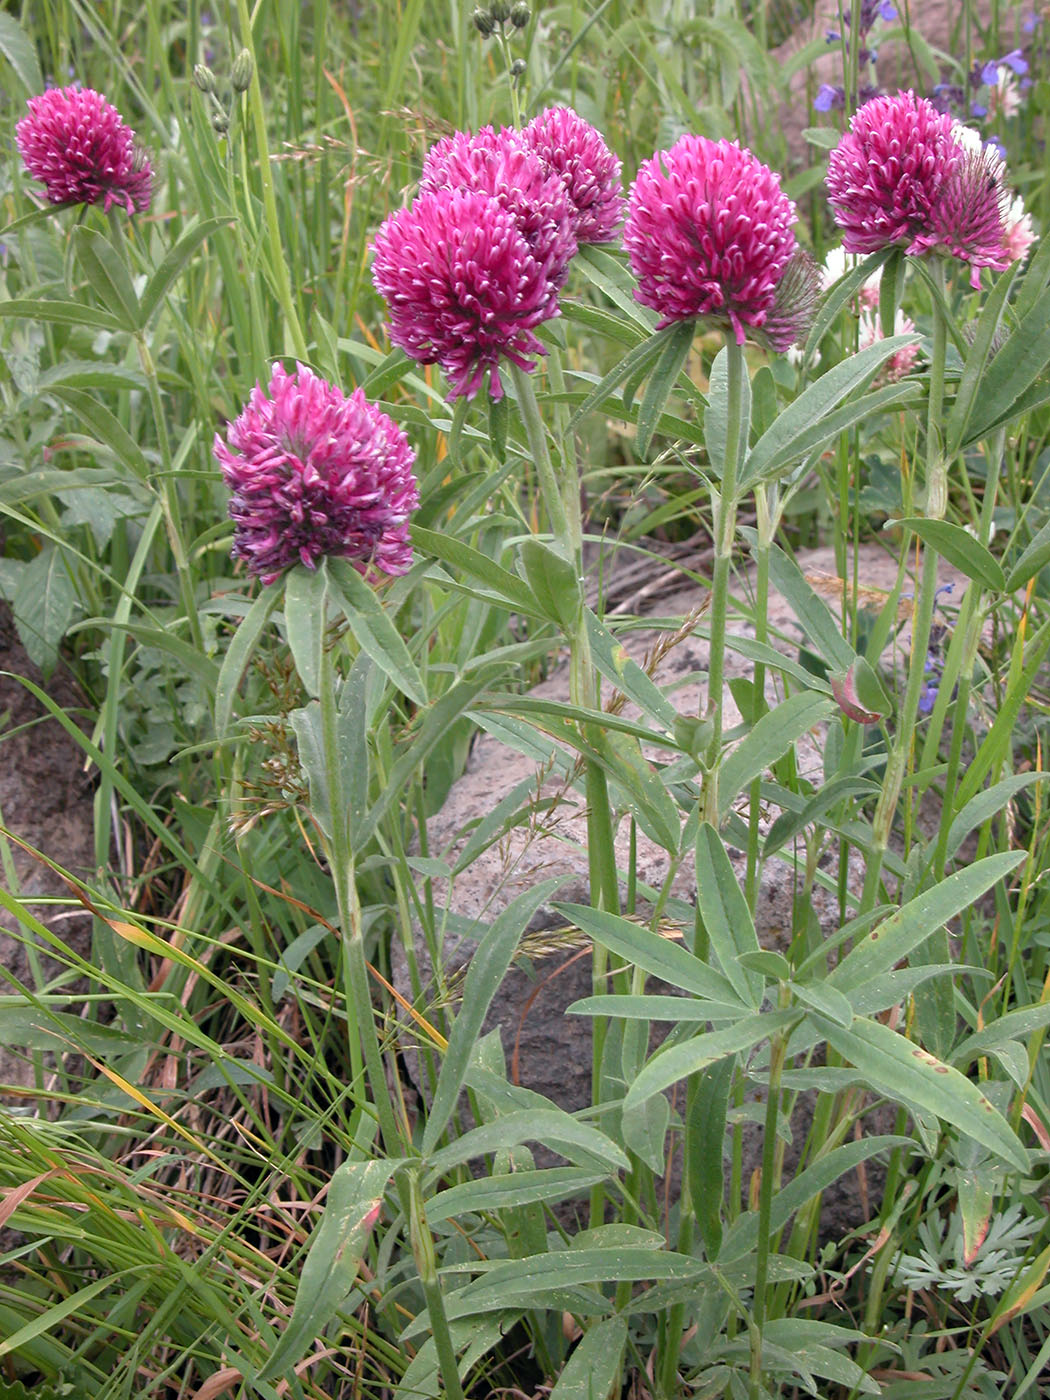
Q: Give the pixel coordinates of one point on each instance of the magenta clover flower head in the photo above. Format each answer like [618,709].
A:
[78,144]
[907,175]
[463,287]
[314,472]
[709,234]
[577,153]
[500,164]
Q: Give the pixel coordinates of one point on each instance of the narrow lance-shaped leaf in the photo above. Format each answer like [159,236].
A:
[796,422]
[661,382]
[905,1072]
[486,971]
[910,926]
[104,268]
[355,1197]
[959,547]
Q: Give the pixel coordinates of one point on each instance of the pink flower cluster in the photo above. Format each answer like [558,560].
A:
[709,234]
[314,472]
[907,175]
[78,144]
[476,262]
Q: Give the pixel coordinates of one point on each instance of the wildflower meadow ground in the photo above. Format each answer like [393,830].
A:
[352,358]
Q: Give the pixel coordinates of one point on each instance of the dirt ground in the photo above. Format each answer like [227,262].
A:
[46,800]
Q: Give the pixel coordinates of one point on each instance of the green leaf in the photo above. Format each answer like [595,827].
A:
[20,52]
[656,810]
[617,667]
[669,961]
[742,1237]
[768,963]
[107,272]
[238,654]
[801,418]
[305,618]
[553,582]
[616,281]
[177,258]
[44,605]
[639,1007]
[516,1189]
[989,802]
[513,592]
[551,1126]
[843,292]
[725,914]
[971,382]
[593,1369]
[905,1072]
[769,740]
[705,1134]
[823,998]
[329,1272]
[488,967]
[675,352]
[375,632]
[910,926]
[520,1281]
[668,1066]
[1014,1025]
[65,313]
[98,419]
[1034,557]
[813,614]
[960,548]
[636,361]
[1012,371]
[815,437]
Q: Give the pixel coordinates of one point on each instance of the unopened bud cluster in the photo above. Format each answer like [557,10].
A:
[499,13]
[205,81]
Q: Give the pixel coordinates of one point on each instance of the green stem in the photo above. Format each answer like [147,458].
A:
[361,1024]
[765,521]
[426,1263]
[922,619]
[777,1057]
[273,229]
[725,529]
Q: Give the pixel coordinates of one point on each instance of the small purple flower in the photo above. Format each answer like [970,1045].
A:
[1032,22]
[573,150]
[313,473]
[946,96]
[463,287]
[78,144]
[709,234]
[829,98]
[500,164]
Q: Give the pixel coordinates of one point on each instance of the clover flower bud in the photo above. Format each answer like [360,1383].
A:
[517,68]
[204,79]
[483,22]
[242,70]
[520,15]
[220,123]
[500,11]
